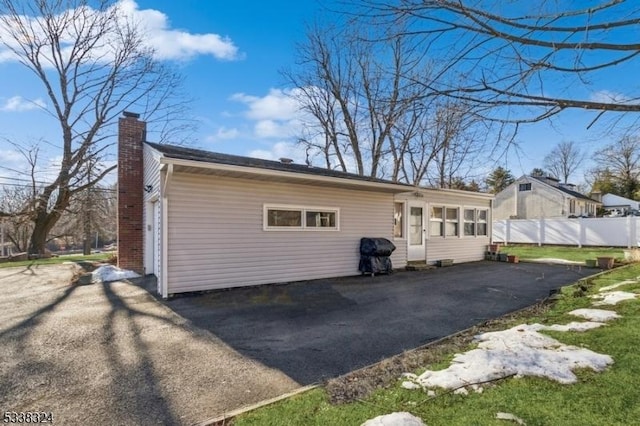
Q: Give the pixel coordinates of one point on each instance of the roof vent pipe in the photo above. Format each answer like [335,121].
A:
[285,160]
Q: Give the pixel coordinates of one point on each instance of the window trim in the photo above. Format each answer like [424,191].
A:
[524,187]
[303,209]
[438,220]
[457,221]
[477,221]
[444,220]
[403,213]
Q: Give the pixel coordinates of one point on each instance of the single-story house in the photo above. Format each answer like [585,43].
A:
[201,220]
[535,197]
[617,205]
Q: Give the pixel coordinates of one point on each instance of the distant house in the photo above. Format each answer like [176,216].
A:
[535,197]
[201,220]
[618,206]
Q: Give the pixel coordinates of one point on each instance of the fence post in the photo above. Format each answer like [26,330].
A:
[582,232]
[507,232]
[630,231]
[541,231]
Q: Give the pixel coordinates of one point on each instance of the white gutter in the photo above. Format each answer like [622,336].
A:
[164,278]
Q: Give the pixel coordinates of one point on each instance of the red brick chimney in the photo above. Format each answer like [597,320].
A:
[131,135]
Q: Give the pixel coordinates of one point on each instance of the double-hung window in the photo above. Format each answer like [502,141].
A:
[475,222]
[452,222]
[436,222]
[301,218]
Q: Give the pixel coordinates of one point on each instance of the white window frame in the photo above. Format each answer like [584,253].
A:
[524,187]
[403,220]
[476,222]
[457,221]
[303,212]
[486,221]
[437,220]
[465,221]
[444,220]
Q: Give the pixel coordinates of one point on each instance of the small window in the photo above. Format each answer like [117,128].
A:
[524,187]
[451,225]
[286,218]
[321,219]
[482,223]
[398,220]
[572,206]
[436,222]
[469,222]
[297,218]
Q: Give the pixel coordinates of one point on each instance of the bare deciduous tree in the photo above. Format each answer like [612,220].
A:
[564,159]
[93,63]
[530,56]
[369,111]
[620,161]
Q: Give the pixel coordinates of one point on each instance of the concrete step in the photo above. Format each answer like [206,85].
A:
[418,266]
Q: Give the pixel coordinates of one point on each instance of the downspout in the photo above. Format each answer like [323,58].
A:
[165,232]
[490,220]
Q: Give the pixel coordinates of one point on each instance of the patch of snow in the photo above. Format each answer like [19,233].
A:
[557,261]
[617,285]
[108,273]
[599,315]
[612,297]
[395,419]
[572,326]
[510,417]
[410,385]
[520,351]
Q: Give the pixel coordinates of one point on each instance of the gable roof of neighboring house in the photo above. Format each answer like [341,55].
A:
[203,158]
[617,200]
[565,190]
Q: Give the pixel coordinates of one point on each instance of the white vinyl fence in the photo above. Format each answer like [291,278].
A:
[607,231]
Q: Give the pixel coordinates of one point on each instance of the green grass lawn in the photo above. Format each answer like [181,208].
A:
[561,252]
[97,257]
[609,397]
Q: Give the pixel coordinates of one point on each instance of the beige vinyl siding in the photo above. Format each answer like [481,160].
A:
[216,237]
[151,159]
[399,256]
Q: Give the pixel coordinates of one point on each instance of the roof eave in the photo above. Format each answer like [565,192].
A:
[394,188]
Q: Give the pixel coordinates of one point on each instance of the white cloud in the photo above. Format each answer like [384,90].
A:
[279,150]
[606,96]
[19,104]
[168,43]
[8,157]
[177,44]
[224,133]
[276,105]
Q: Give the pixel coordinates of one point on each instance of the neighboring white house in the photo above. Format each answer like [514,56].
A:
[533,197]
[200,220]
[619,206]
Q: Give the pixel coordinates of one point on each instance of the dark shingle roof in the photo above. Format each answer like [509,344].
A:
[183,153]
[566,190]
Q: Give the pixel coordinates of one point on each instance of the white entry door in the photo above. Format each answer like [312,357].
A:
[416,232]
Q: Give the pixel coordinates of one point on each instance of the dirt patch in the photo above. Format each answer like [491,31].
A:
[360,383]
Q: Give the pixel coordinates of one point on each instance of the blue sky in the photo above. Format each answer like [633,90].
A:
[230,53]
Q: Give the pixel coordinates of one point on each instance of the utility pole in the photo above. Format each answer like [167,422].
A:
[2,237]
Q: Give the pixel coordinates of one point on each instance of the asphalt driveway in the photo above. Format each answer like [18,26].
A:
[321,329]
[110,354]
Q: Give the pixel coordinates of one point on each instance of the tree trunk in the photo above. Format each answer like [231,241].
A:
[38,241]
